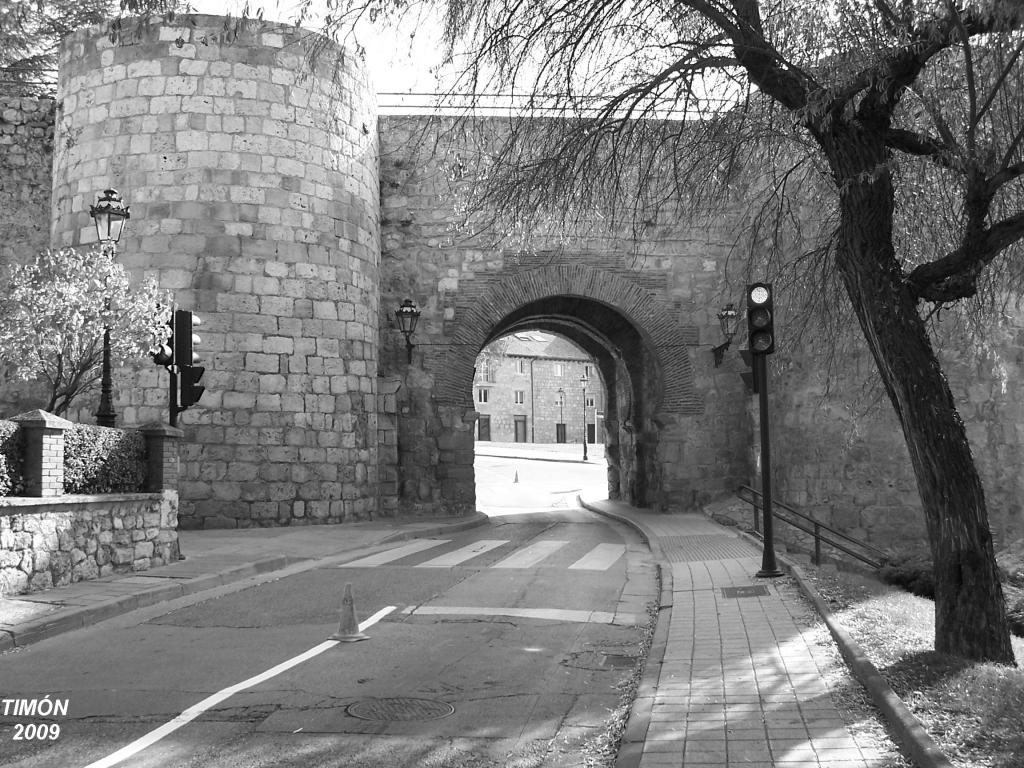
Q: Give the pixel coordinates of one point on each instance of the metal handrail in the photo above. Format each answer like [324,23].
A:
[816,531]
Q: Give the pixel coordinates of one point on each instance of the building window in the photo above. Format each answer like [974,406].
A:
[558,369]
[520,396]
[521,365]
[481,395]
[486,371]
[587,371]
[591,401]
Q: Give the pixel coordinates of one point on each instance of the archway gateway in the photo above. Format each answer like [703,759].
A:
[641,355]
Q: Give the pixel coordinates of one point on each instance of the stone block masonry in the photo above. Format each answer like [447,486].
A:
[57,541]
[48,539]
[26,154]
[252,175]
[259,198]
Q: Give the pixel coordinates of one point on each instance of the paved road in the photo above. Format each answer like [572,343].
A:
[511,484]
[503,645]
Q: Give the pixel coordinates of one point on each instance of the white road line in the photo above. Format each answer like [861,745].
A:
[600,558]
[552,614]
[467,552]
[196,710]
[395,554]
[529,556]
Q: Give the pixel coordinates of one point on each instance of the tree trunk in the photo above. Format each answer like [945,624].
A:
[970,612]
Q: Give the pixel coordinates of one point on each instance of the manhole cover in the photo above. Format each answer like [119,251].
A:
[400,709]
[747,590]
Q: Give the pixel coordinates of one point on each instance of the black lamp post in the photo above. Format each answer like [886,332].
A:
[584,380]
[109,214]
[408,316]
[728,319]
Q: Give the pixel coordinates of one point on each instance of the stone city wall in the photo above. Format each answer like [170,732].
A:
[26,160]
[254,194]
[685,443]
[26,157]
[838,451]
[252,180]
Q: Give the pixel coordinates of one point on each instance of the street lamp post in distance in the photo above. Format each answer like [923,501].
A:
[584,381]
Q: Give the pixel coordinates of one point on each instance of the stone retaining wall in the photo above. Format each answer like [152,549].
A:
[55,541]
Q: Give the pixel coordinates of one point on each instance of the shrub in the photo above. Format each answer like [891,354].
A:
[1015,609]
[12,455]
[912,572]
[102,460]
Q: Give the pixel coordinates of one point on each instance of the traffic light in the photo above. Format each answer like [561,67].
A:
[186,357]
[184,339]
[760,318]
[188,382]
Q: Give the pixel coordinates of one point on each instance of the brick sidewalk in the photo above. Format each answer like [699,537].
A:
[738,679]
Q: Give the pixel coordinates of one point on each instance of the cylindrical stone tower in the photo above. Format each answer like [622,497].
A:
[252,175]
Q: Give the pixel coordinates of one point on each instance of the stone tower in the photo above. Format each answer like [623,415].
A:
[252,174]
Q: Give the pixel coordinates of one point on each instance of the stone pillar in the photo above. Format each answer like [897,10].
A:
[162,467]
[44,452]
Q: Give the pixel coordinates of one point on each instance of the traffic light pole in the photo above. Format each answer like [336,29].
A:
[172,397]
[769,568]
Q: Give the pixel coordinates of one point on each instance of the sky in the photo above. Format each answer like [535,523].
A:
[397,64]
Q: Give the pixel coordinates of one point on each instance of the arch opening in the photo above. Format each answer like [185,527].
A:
[629,373]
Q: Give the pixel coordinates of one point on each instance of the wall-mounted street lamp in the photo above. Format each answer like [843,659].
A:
[728,318]
[408,316]
[109,215]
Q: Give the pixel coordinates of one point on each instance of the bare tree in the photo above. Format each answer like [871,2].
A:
[30,32]
[898,120]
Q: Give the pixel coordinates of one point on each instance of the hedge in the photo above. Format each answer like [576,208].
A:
[103,460]
[12,453]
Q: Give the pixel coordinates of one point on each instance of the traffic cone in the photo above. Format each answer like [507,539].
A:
[348,625]
[517,477]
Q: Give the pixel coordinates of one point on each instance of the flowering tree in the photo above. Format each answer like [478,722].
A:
[53,313]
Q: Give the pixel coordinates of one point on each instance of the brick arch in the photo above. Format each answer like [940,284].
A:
[482,312]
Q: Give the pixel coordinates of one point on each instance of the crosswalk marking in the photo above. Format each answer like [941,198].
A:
[600,558]
[398,553]
[529,556]
[463,554]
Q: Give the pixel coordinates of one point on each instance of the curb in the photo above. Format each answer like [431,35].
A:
[912,736]
[631,745]
[537,458]
[76,618]
[921,748]
[478,519]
